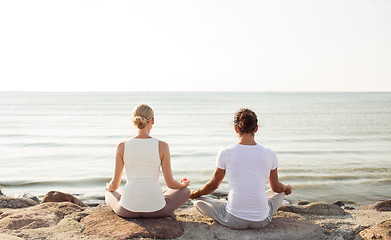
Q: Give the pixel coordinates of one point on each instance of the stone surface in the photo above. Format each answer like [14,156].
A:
[4,236]
[303,203]
[314,208]
[1,194]
[30,196]
[11,202]
[279,228]
[348,208]
[339,203]
[378,231]
[59,221]
[105,223]
[56,196]
[39,216]
[382,206]
[285,225]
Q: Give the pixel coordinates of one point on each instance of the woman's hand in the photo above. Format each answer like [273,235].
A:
[108,187]
[185,182]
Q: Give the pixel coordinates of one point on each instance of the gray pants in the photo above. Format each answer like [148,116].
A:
[215,209]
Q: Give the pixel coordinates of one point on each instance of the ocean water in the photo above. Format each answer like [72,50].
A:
[330,146]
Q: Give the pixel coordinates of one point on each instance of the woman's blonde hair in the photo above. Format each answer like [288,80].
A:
[142,115]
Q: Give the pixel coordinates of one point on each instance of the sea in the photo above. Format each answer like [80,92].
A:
[330,146]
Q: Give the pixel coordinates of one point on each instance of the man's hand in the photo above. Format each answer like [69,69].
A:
[194,194]
[288,189]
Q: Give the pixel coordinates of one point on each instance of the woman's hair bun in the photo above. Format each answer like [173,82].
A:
[142,115]
[140,122]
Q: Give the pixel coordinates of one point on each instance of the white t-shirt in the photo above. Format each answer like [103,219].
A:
[247,169]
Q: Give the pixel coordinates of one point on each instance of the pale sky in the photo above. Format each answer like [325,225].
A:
[203,45]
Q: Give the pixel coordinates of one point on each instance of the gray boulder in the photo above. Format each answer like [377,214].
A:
[30,196]
[314,208]
[11,202]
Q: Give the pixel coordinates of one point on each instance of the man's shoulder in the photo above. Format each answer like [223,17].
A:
[228,147]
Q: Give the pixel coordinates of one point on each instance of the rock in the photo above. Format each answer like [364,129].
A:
[39,216]
[283,226]
[93,204]
[11,202]
[100,198]
[105,223]
[383,206]
[279,228]
[348,208]
[56,196]
[4,236]
[315,208]
[378,231]
[303,203]
[29,196]
[339,203]
[1,194]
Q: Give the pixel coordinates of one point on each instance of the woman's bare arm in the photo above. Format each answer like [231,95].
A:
[210,186]
[118,169]
[164,152]
[276,185]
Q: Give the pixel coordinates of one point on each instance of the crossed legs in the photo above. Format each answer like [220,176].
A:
[174,199]
[215,208]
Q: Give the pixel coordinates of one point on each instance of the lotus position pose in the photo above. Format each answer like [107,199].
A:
[248,167]
[142,157]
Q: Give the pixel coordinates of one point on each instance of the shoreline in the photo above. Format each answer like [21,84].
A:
[62,216]
[97,199]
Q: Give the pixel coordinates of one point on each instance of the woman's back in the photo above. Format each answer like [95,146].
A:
[142,192]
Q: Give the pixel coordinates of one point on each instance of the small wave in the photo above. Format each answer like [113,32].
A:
[309,185]
[82,181]
[320,152]
[62,144]
[328,177]
[294,170]
[361,169]
[193,154]
[35,136]
[386,181]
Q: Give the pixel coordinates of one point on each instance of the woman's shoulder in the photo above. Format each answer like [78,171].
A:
[121,144]
[121,147]
[162,144]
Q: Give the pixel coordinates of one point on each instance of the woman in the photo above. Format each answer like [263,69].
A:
[142,157]
[248,167]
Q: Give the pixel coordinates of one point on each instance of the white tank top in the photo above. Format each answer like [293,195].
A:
[142,192]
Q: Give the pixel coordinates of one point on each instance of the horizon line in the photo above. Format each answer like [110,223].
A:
[188,91]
